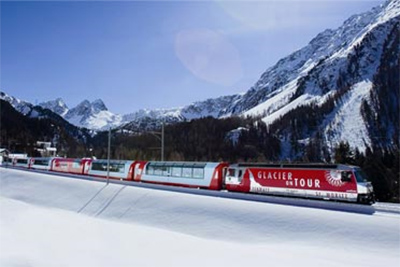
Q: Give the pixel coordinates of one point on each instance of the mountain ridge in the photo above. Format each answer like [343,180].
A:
[337,67]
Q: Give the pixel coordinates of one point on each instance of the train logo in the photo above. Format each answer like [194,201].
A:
[334,178]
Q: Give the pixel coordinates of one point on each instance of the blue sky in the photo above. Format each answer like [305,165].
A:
[153,54]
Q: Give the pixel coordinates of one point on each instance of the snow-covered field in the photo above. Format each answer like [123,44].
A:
[49,220]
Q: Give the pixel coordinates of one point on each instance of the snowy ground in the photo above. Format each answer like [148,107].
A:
[56,221]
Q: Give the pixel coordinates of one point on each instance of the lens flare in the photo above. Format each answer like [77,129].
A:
[209,56]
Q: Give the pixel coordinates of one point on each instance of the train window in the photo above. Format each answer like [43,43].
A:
[360,176]
[157,171]
[117,167]
[198,173]
[42,162]
[121,168]
[231,172]
[114,166]
[166,171]
[22,161]
[98,166]
[150,170]
[346,176]
[8,160]
[176,171]
[187,172]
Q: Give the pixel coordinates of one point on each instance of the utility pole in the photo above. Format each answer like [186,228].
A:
[161,138]
[162,141]
[108,155]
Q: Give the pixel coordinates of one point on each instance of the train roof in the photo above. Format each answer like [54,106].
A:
[295,165]
[114,161]
[177,164]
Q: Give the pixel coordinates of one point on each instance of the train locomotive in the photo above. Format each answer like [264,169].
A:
[315,181]
[319,181]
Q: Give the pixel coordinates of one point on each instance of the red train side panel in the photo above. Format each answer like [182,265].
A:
[302,181]
[68,165]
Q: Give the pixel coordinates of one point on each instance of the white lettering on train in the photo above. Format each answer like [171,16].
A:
[275,175]
[290,180]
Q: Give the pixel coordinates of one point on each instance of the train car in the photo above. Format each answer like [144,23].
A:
[68,165]
[189,174]
[41,163]
[321,181]
[7,161]
[22,162]
[119,169]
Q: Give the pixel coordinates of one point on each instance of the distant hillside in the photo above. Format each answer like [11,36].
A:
[19,132]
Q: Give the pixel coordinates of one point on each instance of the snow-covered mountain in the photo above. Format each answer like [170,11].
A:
[57,106]
[95,115]
[21,106]
[315,69]
[341,64]
[92,115]
[342,86]
[152,119]
[24,107]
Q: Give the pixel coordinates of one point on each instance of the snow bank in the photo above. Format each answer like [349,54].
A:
[48,220]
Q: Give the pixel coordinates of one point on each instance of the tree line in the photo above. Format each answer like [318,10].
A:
[233,139]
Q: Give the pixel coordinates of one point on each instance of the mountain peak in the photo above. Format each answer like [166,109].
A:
[83,103]
[98,105]
[57,106]
[21,106]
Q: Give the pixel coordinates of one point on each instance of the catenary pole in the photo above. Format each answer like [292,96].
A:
[162,142]
[108,155]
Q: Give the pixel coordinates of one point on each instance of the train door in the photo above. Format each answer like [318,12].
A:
[86,165]
[52,163]
[137,170]
[224,173]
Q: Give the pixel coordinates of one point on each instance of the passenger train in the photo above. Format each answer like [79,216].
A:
[317,181]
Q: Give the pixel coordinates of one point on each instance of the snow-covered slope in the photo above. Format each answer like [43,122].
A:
[341,62]
[322,60]
[93,224]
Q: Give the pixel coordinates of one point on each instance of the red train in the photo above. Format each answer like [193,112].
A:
[317,181]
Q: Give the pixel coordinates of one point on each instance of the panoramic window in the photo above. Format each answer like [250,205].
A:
[114,167]
[198,173]
[42,162]
[22,161]
[187,172]
[176,171]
